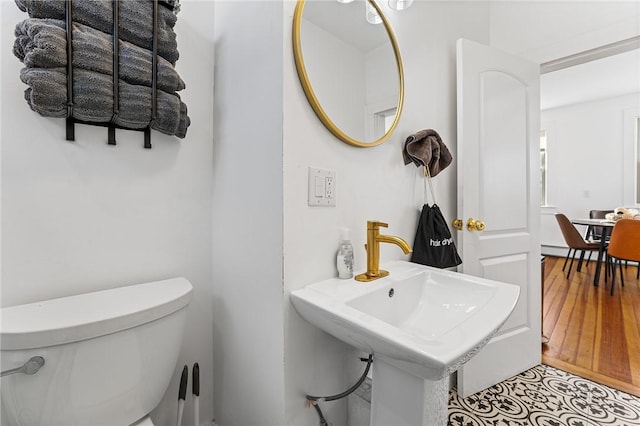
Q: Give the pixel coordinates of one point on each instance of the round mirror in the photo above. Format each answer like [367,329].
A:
[350,69]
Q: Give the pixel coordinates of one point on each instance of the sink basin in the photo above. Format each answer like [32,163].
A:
[422,320]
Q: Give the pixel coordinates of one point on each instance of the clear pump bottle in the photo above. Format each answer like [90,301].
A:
[344,259]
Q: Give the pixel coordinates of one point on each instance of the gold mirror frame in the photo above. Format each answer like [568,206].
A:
[311,96]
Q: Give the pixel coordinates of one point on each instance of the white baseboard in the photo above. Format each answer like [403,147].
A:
[554,251]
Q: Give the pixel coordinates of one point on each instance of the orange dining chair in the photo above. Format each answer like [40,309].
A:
[624,244]
[575,241]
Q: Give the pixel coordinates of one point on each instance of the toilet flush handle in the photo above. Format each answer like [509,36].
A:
[30,367]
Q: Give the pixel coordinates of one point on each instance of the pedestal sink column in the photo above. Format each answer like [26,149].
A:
[401,399]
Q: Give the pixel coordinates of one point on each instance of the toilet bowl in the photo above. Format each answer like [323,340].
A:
[146,421]
[108,355]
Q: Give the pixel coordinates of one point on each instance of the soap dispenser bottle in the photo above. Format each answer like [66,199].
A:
[344,260]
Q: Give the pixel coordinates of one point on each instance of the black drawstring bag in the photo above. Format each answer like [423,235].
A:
[433,244]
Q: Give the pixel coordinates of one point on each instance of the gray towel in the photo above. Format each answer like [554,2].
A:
[425,148]
[171,4]
[41,39]
[42,43]
[135,20]
[93,100]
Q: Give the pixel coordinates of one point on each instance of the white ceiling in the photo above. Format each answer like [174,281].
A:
[612,76]
[346,21]
[547,30]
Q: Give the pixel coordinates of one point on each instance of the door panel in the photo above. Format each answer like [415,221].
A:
[503,117]
[498,156]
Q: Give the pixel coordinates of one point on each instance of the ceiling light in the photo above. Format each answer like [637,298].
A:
[399,4]
[372,14]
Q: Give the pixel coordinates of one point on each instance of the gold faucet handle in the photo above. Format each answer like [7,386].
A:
[372,224]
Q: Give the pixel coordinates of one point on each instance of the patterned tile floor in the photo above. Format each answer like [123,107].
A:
[545,396]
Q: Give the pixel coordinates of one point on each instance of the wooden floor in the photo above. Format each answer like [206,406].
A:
[592,334]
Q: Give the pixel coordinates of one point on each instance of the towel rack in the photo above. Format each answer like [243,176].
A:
[111,138]
[111,125]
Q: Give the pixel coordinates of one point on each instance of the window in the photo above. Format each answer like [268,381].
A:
[389,116]
[543,167]
[638,160]
[383,121]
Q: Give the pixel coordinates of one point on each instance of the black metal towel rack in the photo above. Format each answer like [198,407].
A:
[111,126]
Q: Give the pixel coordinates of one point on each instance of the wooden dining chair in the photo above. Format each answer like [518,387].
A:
[574,241]
[594,233]
[624,244]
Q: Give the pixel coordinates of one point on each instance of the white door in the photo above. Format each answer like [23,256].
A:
[498,184]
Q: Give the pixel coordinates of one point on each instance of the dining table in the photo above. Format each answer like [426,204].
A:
[607,227]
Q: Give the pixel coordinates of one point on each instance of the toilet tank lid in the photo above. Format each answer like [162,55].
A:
[84,316]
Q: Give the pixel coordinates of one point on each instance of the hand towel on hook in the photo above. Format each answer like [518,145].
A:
[425,148]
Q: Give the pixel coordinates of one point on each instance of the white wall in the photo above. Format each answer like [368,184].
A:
[247,213]
[372,183]
[340,89]
[381,75]
[591,156]
[85,216]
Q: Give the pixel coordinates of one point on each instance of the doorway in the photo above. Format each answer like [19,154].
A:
[591,333]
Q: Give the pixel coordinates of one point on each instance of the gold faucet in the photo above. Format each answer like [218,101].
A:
[374,238]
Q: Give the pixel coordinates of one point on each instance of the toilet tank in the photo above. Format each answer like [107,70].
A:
[109,355]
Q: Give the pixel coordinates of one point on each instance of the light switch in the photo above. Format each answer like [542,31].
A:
[322,187]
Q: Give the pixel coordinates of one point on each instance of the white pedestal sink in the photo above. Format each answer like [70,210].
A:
[421,324]
[399,398]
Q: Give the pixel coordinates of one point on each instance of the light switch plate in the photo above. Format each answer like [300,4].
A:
[322,187]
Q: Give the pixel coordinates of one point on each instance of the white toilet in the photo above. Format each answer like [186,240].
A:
[108,355]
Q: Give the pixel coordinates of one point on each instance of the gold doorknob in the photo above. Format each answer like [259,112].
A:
[457,224]
[475,225]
